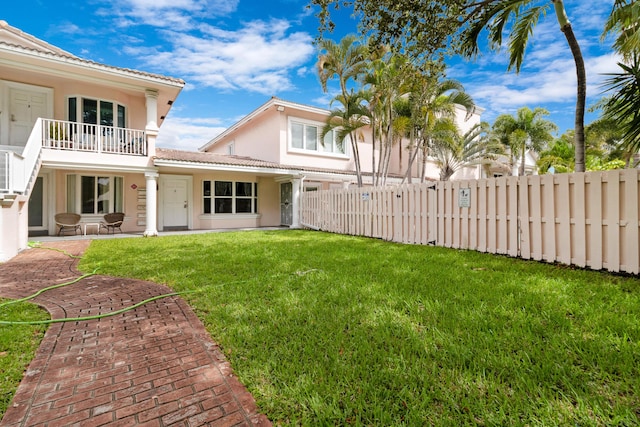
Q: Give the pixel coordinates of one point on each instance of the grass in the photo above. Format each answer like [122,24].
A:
[336,330]
[18,345]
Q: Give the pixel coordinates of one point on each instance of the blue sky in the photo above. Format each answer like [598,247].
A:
[236,54]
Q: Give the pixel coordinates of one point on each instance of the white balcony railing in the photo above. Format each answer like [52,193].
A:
[63,135]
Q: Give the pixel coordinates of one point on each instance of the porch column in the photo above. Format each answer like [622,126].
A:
[152,204]
[296,183]
[151,127]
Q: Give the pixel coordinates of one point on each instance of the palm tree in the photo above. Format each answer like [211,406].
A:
[434,104]
[522,16]
[472,148]
[528,130]
[346,121]
[624,20]
[623,107]
[345,61]
[560,155]
[605,138]
[386,81]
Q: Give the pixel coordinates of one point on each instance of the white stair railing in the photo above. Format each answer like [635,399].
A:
[30,159]
[17,171]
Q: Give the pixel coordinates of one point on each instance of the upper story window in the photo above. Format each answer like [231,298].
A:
[97,111]
[306,136]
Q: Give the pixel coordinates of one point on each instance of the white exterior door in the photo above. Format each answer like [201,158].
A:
[25,106]
[175,203]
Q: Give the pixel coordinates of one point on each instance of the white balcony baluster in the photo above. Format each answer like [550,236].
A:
[64,135]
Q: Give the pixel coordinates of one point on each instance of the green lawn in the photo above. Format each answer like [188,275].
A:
[18,344]
[332,330]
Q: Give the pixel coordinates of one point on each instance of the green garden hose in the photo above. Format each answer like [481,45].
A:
[74,319]
[97,316]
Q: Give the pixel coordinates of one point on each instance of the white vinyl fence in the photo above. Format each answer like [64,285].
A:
[584,219]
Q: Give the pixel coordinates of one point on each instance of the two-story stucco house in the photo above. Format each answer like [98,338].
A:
[78,136]
[75,136]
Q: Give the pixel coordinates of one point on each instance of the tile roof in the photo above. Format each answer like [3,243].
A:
[48,51]
[212,158]
[247,162]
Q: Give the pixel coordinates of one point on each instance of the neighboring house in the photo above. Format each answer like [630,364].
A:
[504,166]
[288,133]
[79,136]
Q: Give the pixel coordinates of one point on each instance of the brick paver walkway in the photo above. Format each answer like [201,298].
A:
[154,366]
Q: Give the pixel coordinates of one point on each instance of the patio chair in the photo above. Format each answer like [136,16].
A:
[68,221]
[112,221]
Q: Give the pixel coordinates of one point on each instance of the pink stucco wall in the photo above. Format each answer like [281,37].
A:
[64,88]
[268,203]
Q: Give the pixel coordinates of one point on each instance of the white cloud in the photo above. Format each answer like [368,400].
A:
[555,83]
[188,133]
[588,18]
[257,57]
[177,14]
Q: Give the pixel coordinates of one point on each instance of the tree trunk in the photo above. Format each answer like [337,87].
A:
[581,74]
[423,171]
[409,174]
[356,158]
[374,177]
[375,162]
[380,136]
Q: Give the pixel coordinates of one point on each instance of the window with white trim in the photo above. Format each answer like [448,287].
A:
[93,194]
[306,136]
[96,111]
[229,197]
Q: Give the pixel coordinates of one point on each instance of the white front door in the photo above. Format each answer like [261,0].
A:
[175,203]
[25,106]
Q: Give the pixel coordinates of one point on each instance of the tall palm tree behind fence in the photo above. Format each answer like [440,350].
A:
[584,219]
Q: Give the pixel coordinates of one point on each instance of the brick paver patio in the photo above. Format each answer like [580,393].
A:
[154,366]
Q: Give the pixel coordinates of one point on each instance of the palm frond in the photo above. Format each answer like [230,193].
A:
[624,21]
[624,104]
[522,31]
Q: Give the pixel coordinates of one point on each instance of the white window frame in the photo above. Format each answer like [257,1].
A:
[319,150]
[234,197]
[74,194]
[79,110]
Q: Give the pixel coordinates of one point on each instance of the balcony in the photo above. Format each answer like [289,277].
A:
[72,136]
[18,169]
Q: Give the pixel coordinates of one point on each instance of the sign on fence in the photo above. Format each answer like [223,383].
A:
[464,198]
